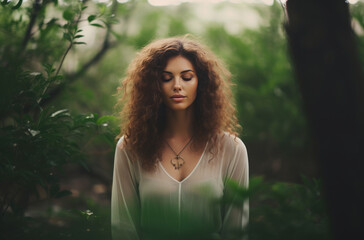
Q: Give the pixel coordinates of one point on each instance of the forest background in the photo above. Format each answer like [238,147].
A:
[61,63]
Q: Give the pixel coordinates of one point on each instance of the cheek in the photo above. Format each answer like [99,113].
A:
[164,90]
[195,86]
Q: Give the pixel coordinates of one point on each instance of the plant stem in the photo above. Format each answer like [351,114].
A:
[96,58]
[62,60]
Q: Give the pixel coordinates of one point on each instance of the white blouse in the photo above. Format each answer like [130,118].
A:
[142,201]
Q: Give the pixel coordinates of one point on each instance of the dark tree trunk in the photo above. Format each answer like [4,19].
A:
[325,57]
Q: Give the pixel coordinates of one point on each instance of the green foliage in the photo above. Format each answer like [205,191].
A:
[6,3]
[148,30]
[93,222]
[277,211]
[283,210]
[38,140]
[268,100]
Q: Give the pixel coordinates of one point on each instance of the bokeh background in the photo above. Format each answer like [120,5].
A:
[61,64]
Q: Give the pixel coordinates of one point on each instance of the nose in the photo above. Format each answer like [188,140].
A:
[177,85]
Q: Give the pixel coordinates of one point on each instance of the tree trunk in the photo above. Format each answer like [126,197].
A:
[326,62]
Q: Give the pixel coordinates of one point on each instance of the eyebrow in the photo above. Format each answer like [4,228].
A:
[181,72]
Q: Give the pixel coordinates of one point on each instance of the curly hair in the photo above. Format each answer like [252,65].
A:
[143,114]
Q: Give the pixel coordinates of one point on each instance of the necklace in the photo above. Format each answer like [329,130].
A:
[177,162]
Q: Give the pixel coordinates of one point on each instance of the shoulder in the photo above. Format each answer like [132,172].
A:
[234,157]
[123,155]
[120,145]
[124,163]
[121,149]
[231,142]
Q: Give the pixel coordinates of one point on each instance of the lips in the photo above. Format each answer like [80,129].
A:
[178,98]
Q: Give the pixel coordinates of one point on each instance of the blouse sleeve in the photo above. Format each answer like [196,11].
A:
[235,217]
[124,197]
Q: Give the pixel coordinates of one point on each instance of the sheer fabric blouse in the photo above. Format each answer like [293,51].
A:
[145,201]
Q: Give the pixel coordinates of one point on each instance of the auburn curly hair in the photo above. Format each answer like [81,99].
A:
[143,114]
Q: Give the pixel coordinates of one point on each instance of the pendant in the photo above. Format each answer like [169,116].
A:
[177,162]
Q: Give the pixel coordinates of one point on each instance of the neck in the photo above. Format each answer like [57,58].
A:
[179,124]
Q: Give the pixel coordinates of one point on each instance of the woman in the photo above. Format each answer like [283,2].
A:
[178,146]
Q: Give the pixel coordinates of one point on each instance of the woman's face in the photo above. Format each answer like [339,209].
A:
[179,83]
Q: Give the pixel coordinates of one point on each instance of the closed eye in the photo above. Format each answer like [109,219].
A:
[187,78]
[166,79]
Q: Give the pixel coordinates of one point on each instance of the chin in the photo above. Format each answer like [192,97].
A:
[179,107]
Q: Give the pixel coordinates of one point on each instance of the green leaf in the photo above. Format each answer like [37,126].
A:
[58,77]
[5,2]
[102,8]
[67,36]
[48,68]
[255,182]
[63,112]
[91,18]
[79,43]
[79,36]
[53,21]
[97,25]
[68,15]
[17,5]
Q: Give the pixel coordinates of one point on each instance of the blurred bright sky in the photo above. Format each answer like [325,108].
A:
[176,2]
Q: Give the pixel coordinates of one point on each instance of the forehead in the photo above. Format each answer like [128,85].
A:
[178,63]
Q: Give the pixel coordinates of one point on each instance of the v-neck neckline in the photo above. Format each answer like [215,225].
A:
[190,174]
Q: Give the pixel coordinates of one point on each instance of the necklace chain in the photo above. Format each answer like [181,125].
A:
[177,162]
[182,148]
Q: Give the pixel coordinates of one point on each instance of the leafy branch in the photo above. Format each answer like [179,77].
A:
[106,45]
[72,34]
